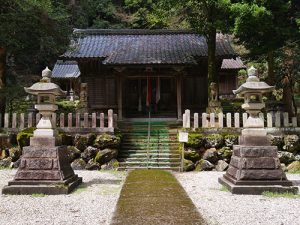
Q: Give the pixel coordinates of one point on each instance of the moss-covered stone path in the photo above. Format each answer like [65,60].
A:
[154,197]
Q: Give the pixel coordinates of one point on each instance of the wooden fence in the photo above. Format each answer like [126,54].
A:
[71,122]
[236,120]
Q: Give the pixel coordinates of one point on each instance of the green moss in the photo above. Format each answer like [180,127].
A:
[38,195]
[80,189]
[196,140]
[23,137]
[223,188]
[192,155]
[280,195]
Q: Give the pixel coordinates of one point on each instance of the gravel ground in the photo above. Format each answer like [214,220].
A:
[221,207]
[92,203]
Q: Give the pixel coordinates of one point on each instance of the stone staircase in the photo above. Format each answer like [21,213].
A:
[162,150]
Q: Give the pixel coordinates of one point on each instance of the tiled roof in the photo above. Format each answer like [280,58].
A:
[144,46]
[231,64]
[67,69]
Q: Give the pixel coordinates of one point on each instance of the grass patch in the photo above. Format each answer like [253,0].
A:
[38,195]
[224,188]
[5,168]
[154,197]
[80,189]
[280,195]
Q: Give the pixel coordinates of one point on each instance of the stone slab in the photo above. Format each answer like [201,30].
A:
[256,189]
[31,152]
[42,188]
[45,142]
[254,140]
[254,151]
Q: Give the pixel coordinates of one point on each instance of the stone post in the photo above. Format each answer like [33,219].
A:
[110,118]
[212,119]
[70,119]
[188,118]
[204,120]
[221,120]
[236,120]
[101,120]
[228,119]
[94,120]
[196,120]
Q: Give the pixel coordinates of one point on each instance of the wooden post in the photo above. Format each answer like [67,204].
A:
[221,118]
[94,120]
[236,120]
[77,120]
[196,120]
[228,119]
[6,120]
[70,119]
[101,120]
[178,90]
[14,120]
[212,119]
[110,118]
[62,120]
[29,120]
[22,120]
[115,120]
[120,97]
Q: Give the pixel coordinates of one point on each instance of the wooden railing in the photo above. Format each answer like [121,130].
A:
[237,120]
[71,122]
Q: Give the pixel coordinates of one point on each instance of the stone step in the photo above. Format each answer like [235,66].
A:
[153,149]
[151,144]
[152,160]
[155,164]
[122,168]
[151,155]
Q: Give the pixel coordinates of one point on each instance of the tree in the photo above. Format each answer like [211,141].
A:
[33,33]
[264,26]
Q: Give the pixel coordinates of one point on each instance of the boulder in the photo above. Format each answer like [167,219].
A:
[15,153]
[80,142]
[104,156]
[191,154]
[188,165]
[277,141]
[230,140]
[294,167]
[283,167]
[78,164]
[6,163]
[286,157]
[211,155]
[225,153]
[196,140]
[103,141]
[111,165]
[89,153]
[291,143]
[204,165]
[92,165]
[73,153]
[221,166]
[214,141]
[4,153]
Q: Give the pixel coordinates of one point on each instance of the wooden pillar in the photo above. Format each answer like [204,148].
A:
[120,97]
[178,90]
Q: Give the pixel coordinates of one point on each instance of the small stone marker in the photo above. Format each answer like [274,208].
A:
[14,120]
[212,119]
[85,120]
[6,120]
[245,117]
[285,119]
[22,121]
[78,120]
[62,120]
[269,120]
[277,119]
[204,120]
[110,118]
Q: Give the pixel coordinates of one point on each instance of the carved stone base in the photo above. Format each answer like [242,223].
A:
[255,169]
[214,107]
[43,171]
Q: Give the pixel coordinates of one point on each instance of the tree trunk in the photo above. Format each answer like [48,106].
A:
[288,96]
[271,63]
[211,57]
[2,79]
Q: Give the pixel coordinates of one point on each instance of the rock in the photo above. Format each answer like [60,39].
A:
[294,167]
[103,141]
[111,165]
[283,167]
[196,140]
[91,138]
[191,154]
[277,141]
[78,164]
[204,165]
[231,140]
[291,143]
[6,163]
[4,153]
[89,153]
[211,155]
[297,157]
[92,165]
[214,141]
[15,153]
[225,153]
[188,165]
[73,153]
[66,139]
[80,142]
[16,164]
[221,166]
[286,157]
[104,156]
[4,141]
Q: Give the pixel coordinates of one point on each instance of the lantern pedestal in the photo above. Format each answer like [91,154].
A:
[254,169]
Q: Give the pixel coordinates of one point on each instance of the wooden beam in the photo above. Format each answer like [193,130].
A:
[120,97]
[179,107]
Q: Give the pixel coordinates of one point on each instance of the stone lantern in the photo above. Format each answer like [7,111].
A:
[254,165]
[44,166]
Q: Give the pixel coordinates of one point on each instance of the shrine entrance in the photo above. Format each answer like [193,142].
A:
[156,93]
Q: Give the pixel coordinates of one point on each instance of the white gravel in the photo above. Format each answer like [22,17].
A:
[221,207]
[93,203]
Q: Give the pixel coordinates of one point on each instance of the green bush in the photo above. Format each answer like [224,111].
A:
[196,140]
[23,137]
[66,106]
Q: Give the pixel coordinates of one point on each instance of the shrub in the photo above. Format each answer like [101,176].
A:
[196,140]
[23,137]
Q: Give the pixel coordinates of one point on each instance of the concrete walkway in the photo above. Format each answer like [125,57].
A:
[154,197]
